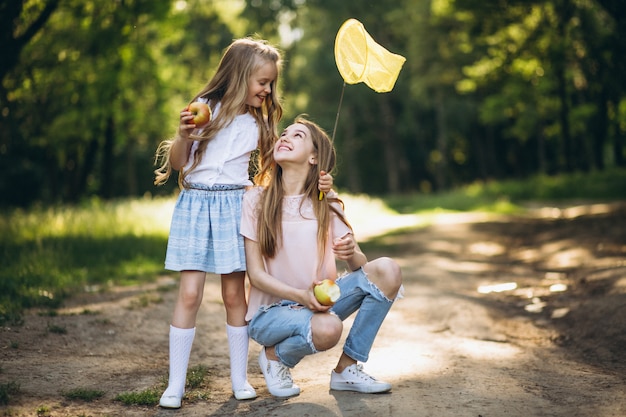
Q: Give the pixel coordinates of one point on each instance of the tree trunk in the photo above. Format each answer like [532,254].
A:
[89,163]
[395,164]
[541,153]
[618,145]
[564,119]
[600,129]
[11,46]
[131,174]
[442,141]
[350,146]
[559,64]
[107,159]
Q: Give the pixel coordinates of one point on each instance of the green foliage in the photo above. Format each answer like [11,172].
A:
[98,89]
[196,376]
[7,391]
[84,394]
[600,185]
[56,329]
[196,380]
[144,300]
[48,254]
[147,397]
[490,90]
[509,196]
[496,102]
[43,411]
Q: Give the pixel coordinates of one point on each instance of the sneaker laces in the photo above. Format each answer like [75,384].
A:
[283,375]
[361,374]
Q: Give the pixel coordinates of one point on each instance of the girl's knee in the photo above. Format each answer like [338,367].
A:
[191,289]
[393,273]
[387,275]
[190,299]
[233,290]
[326,330]
[233,298]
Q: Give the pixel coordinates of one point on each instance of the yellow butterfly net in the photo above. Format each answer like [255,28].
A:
[360,59]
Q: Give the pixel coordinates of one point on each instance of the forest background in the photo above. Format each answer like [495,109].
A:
[491,90]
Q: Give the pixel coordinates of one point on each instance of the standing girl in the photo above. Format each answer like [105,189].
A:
[204,236]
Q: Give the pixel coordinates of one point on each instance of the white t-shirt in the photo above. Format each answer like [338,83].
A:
[296,260]
[227,155]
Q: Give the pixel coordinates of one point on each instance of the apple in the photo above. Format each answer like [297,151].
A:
[201,113]
[327,292]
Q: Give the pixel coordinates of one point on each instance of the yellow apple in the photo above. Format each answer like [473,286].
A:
[327,293]
[201,113]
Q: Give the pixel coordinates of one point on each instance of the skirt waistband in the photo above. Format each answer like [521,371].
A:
[215,187]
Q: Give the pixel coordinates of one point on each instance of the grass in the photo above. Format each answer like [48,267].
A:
[144,300]
[509,196]
[7,391]
[43,411]
[148,397]
[83,394]
[50,253]
[194,389]
[196,376]
[53,328]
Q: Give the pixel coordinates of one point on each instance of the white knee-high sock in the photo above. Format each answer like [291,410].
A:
[180,349]
[238,343]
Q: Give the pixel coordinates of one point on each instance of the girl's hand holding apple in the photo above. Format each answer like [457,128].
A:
[327,292]
[195,115]
[186,125]
[201,113]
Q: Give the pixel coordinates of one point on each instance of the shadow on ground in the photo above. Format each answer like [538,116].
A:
[563,269]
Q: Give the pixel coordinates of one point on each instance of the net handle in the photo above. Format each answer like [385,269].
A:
[338,110]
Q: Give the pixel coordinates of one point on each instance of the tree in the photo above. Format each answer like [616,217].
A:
[97,90]
[490,89]
[20,21]
[68,89]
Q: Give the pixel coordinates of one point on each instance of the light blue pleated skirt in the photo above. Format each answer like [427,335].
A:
[204,235]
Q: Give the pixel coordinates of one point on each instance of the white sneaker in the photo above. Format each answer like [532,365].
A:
[170,401]
[245,393]
[277,377]
[353,378]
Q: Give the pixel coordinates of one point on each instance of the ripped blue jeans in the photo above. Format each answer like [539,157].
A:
[287,325]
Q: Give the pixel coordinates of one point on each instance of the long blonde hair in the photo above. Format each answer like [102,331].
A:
[229,88]
[269,226]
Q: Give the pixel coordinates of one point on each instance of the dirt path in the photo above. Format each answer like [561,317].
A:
[552,346]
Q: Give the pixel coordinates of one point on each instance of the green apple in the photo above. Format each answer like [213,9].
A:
[201,113]
[327,292]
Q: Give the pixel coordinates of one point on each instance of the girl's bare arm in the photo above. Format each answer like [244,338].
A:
[179,152]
